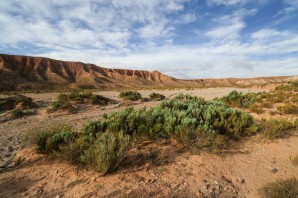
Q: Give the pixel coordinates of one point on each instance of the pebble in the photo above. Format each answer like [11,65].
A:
[241,180]
[274,170]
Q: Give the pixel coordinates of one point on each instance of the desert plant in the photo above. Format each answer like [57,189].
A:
[157,96]
[108,151]
[130,95]
[237,99]
[280,189]
[49,139]
[256,109]
[288,109]
[11,102]
[276,128]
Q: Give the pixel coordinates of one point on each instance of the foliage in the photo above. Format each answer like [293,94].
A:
[50,139]
[11,102]
[288,109]
[276,128]
[157,96]
[130,95]
[289,87]
[280,189]
[65,100]
[16,113]
[237,99]
[256,109]
[107,151]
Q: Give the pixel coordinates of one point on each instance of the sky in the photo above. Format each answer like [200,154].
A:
[186,39]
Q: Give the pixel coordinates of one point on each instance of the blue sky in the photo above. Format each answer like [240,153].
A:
[182,38]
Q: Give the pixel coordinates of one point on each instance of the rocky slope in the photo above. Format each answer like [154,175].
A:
[25,72]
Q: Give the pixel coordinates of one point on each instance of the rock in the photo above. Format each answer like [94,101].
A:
[10,149]
[274,170]
[241,180]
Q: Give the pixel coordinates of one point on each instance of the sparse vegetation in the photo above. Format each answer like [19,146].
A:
[294,160]
[288,109]
[276,128]
[130,95]
[256,109]
[11,102]
[157,96]
[280,189]
[66,101]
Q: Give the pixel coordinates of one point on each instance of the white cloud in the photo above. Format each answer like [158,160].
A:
[226,2]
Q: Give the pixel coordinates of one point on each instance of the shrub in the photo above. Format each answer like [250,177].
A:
[108,151]
[62,105]
[276,128]
[157,96]
[11,102]
[294,160]
[237,99]
[130,95]
[280,189]
[256,109]
[50,139]
[288,109]
[17,113]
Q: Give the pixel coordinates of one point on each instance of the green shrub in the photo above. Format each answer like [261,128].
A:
[62,105]
[157,96]
[276,128]
[108,151]
[130,95]
[280,189]
[288,109]
[100,100]
[16,113]
[50,139]
[237,99]
[91,128]
[11,102]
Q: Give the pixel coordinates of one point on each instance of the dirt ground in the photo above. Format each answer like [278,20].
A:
[237,172]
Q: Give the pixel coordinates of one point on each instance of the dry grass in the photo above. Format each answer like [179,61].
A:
[280,189]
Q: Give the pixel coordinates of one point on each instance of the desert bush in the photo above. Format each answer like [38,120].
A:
[130,95]
[276,128]
[49,139]
[11,102]
[256,109]
[157,96]
[108,151]
[267,105]
[290,87]
[91,128]
[288,109]
[237,99]
[65,100]
[280,189]
[294,160]
[16,113]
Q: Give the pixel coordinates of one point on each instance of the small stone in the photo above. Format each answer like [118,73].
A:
[264,149]
[10,149]
[57,171]
[58,196]
[241,180]
[274,170]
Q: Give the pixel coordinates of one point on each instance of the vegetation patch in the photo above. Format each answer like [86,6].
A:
[66,101]
[288,109]
[12,102]
[157,96]
[256,109]
[276,128]
[237,99]
[130,95]
[281,188]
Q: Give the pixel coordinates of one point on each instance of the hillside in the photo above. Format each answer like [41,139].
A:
[25,72]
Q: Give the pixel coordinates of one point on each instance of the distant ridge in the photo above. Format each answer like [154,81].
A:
[26,72]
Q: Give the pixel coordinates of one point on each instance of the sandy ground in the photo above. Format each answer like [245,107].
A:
[239,172]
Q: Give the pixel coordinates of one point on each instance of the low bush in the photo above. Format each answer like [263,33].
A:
[256,109]
[130,95]
[157,96]
[108,150]
[237,99]
[65,100]
[11,102]
[288,109]
[280,189]
[276,128]
[51,138]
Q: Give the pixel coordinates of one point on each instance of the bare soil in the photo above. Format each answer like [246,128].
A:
[237,172]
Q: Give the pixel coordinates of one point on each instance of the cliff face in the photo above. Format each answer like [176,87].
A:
[25,72]
[21,72]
